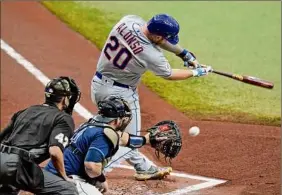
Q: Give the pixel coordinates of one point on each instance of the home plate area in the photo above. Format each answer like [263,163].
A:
[121,181]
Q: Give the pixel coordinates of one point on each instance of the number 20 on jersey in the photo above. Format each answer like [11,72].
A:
[121,58]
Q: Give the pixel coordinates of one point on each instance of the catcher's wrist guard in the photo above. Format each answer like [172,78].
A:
[165,137]
[93,181]
[135,141]
[101,178]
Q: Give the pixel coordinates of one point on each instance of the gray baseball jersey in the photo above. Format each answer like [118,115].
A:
[128,53]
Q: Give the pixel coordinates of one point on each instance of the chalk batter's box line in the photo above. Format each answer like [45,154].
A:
[83,112]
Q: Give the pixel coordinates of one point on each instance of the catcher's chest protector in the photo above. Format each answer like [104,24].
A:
[113,138]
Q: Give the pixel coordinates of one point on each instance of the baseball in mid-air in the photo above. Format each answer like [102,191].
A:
[194,131]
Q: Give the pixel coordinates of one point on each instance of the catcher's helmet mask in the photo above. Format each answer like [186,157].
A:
[113,108]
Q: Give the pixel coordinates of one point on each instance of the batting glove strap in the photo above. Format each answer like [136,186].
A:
[186,56]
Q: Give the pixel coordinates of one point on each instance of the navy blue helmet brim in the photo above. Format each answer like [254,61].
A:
[173,40]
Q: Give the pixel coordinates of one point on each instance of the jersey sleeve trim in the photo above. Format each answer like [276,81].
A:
[97,149]
[58,145]
[168,74]
[165,76]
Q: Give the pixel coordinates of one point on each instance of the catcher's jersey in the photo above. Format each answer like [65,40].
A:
[92,145]
[128,53]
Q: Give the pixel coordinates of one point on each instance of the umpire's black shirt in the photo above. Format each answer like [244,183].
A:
[37,128]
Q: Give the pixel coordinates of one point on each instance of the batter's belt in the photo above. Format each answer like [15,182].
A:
[100,76]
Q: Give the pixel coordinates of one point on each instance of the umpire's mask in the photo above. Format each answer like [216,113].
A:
[59,88]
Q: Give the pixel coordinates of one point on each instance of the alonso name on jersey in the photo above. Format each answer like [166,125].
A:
[130,38]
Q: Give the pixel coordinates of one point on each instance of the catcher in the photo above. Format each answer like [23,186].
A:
[97,140]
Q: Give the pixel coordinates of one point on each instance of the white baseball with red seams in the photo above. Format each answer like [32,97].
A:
[194,131]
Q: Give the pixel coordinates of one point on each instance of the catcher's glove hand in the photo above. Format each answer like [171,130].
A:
[165,137]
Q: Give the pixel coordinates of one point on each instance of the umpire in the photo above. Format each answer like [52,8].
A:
[35,134]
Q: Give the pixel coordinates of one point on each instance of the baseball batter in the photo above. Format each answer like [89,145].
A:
[133,47]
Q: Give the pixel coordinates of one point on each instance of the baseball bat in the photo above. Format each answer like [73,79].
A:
[247,79]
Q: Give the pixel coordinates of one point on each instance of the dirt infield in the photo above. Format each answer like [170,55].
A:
[248,156]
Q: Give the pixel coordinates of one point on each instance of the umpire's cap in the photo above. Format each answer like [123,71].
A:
[165,26]
[112,108]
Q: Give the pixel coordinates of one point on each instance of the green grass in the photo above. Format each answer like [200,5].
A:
[239,37]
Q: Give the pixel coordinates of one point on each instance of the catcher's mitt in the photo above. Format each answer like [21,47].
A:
[165,137]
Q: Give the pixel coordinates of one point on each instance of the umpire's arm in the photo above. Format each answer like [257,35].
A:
[59,139]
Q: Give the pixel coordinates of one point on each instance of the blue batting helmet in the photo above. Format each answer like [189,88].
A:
[165,26]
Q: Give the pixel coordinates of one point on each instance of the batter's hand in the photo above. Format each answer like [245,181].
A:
[189,59]
[192,64]
[201,71]
[200,66]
